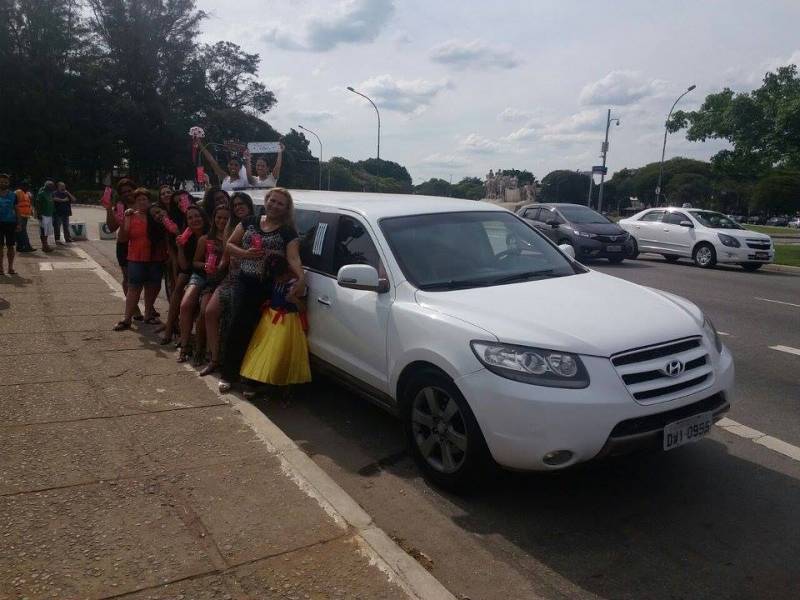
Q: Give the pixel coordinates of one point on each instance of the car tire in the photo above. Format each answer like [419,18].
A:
[633,251]
[615,260]
[751,266]
[443,436]
[671,258]
[704,256]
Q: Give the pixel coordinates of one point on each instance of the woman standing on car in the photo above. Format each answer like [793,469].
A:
[237,176]
[264,177]
[251,242]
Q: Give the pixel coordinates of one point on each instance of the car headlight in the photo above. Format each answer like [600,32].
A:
[728,240]
[585,234]
[708,326]
[549,368]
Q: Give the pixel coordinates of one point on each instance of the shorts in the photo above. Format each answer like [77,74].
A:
[122,254]
[8,234]
[145,273]
[198,280]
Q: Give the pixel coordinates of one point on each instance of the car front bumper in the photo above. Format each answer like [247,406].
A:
[522,423]
[744,255]
[589,248]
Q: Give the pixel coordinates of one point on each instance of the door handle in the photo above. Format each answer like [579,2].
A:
[324,300]
[665,229]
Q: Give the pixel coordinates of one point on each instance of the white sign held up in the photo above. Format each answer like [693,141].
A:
[264,147]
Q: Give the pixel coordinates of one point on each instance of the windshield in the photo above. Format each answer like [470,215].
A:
[447,251]
[714,220]
[582,214]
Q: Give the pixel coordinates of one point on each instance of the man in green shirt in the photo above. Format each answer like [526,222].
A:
[45,207]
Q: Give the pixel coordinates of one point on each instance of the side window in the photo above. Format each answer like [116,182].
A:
[550,215]
[354,246]
[654,215]
[311,235]
[674,218]
[532,213]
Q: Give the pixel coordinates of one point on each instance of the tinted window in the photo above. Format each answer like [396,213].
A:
[354,246]
[674,218]
[307,223]
[532,213]
[654,215]
[550,215]
[715,220]
[582,214]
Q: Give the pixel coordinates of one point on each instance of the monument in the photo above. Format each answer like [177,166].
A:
[505,188]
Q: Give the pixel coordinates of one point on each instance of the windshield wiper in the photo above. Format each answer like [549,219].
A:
[455,284]
[527,275]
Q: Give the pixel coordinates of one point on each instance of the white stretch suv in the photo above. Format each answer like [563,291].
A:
[489,342]
[705,236]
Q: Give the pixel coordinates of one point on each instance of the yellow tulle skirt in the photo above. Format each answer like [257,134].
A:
[278,351]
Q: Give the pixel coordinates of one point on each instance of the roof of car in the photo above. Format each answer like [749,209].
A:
[377,206]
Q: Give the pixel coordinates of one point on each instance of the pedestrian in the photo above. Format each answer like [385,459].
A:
[197,224]
[206,259]
[218,308]
[24,212]
[253,238]
[8,223]
[44,207]
[168,201]
[114,218]
[62,200]
[144,233]
[264,176]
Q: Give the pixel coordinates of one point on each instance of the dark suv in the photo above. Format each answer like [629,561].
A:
[587,231]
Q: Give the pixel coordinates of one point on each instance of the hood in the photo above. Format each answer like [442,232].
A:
[742,234]
[591,313]
[599,228]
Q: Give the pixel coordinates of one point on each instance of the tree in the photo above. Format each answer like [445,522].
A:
[230,78]
[778,193]
[387,169]
[763,126]
[565,186]
[434,187]
[689,187]
[471,188]
[523,177]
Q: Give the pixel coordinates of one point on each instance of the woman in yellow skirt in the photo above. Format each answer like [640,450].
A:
[278,351]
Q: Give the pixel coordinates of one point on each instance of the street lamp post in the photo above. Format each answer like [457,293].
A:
[320,152]
[604,150]
[664,147]
[377,112]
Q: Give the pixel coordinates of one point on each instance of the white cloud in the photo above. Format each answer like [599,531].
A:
[402,38]
[523,134]
[474,54]
[444,161]
[348,22]
[316,116]
[406,96]
[514,115]
[620,88]
[477,144]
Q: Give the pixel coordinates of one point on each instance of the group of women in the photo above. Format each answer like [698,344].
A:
[233,277]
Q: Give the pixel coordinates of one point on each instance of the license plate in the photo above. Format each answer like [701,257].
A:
[687,430]
[762,255]
[613,248]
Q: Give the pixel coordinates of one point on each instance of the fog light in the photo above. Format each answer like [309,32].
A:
[557,457]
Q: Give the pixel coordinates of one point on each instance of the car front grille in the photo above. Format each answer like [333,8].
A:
[758,244]
[610,239]
[658,421]
[646,371]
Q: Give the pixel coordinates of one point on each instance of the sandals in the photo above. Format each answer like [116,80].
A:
[183,356]
[224,386]
[12,272]
[152,321]
[209,369]
[122,326]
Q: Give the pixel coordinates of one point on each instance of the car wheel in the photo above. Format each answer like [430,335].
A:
[671,258]
[615,260]
[443,435]
[751,266]
[633,249]
[704,256]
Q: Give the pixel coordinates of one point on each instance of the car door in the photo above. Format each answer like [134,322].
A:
[675,238]
[645,230]
[348,328]
[546,215]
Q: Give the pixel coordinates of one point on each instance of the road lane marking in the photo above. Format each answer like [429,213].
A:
[723,333]
[787,349]
[45,266]
[779,302]
[760,438]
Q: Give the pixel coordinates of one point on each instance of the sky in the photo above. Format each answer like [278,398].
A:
[465,86]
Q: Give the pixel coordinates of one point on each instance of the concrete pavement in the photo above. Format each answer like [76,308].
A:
[122,474]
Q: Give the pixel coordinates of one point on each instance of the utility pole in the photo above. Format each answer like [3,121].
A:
[604,150]
[320,155]
[378,113]
[664,146]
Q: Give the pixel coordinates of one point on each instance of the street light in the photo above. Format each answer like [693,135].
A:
[320,152]
[377,112]
[664,147]
[604,150]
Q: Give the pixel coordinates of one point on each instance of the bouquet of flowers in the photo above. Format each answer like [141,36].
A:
[197,132]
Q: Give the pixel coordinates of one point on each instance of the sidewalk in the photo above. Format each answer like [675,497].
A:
[122,474]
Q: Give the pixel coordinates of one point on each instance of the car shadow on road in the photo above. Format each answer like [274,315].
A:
[698,522]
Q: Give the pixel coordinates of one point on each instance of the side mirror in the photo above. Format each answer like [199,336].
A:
[361,277]
[553,223]
[568,250]
[688,224]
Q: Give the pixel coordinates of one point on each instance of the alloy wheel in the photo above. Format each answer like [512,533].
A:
[704,256]
[439,429]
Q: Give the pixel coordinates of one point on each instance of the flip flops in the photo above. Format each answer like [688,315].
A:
[122,326]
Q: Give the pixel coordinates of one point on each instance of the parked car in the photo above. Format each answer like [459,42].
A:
[778,222]
[483,337]
[705,236]
[590,234]
[756,220]
[795,223]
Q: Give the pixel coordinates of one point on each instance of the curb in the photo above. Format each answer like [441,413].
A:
[782,269]
[385,554]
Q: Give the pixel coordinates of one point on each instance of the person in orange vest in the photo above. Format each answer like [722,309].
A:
[24,212]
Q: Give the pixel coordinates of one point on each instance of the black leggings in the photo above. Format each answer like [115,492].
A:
[250,295]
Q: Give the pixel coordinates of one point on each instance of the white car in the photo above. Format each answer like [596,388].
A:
[705,236]
[492,344]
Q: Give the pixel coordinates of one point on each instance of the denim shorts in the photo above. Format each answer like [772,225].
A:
[145,273]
